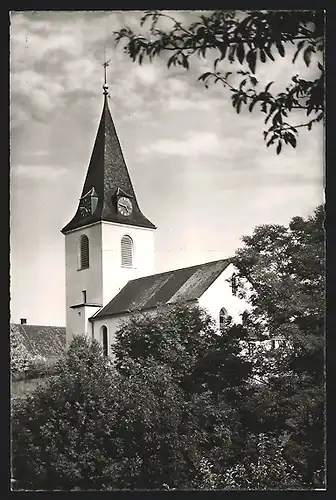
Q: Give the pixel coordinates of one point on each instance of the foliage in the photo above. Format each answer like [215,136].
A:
[179,409]
[55,441]
[250,39]
[184,338]
[286,268]
[269,471]
[92,428]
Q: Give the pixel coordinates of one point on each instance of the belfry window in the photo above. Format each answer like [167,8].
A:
[104,339]
[223,314]
[84,252]
[126,251]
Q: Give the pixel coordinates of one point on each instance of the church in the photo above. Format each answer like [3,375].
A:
[109,260]
[110,250]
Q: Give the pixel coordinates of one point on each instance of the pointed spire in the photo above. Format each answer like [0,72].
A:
[108,178]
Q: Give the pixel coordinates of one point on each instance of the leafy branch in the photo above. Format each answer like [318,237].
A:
[249,38]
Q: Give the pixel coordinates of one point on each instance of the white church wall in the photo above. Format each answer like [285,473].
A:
[112,326]
[115,276]
[219,295]
[78,280]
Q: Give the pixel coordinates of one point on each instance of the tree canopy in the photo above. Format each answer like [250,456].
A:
[181,406]
[286,266]
[185,338]
[249,39]
[91,427]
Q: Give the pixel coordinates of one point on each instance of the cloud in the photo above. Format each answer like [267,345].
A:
[54,54]
[195,144]
[47,172]
[147,74]
[178,104]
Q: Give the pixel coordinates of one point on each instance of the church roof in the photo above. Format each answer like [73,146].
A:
[185,284]
[107,177]
[45,341]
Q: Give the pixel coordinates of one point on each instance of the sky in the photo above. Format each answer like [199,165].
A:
[201,172]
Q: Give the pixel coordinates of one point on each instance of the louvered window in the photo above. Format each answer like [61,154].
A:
[126,251]
[84,252]
[223,314]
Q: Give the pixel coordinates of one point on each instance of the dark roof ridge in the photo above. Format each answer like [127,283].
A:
[181,269]
[40,326]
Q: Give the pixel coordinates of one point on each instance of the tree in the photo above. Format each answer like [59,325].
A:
[286,268]
[185,338]
[250,39]
[207,365]
[268,470]
[57,431]
[93,428]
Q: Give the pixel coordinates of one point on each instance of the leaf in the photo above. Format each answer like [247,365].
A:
[292,140]
[240,53]
[269,53]
[251,59]
[171,60]
[238,106]
[253,103]
[279,146]
[268,86]
[223,48]
[231,53]
[299,47]
[262,56]
[242,83]
[307,55]
[281,49]
[277,118]
[204,76]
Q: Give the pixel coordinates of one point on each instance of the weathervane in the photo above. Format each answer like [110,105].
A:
[106,63]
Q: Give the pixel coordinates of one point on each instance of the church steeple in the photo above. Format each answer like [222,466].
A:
[108,193]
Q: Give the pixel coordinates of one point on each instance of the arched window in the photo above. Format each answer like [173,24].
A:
[126,251]
[84,252]
[104,339]
[223,314]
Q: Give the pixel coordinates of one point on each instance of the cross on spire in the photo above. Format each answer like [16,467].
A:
[106,63]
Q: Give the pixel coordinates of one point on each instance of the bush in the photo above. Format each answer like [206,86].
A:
[93,428]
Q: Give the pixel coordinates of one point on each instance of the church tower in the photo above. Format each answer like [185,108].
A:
[108,241]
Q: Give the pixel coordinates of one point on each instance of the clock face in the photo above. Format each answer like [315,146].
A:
[88,203]
[124,206]
[84,207]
